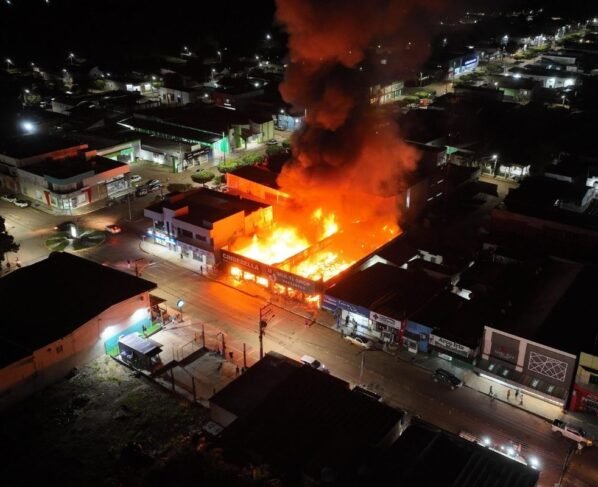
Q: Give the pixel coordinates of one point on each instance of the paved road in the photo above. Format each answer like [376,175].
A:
[236,314]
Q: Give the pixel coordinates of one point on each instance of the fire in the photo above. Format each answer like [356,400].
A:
[328,249]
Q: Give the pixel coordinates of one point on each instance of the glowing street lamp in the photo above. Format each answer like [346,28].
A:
[495,159]
[179,304]
[71,57]
[28,126]
[219,55]
[9,63]
[268,37]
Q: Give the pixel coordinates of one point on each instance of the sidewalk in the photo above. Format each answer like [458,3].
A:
[523,401]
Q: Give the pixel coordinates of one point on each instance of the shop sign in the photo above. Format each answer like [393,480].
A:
[449,345]
[385,320]
[196,153]
[284,278]
[239,260]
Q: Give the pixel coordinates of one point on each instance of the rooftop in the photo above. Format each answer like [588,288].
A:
[257,174]
[50,311]
[168,129]
[206,205]
[455,462]
[64,169]
[35,145]
[386,289]
[455,318]
[310,422]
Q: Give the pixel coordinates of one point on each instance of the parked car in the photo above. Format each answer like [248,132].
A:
[575,434]
[141,191]
[316,364]
[113,229]
[22,203]
[135,178]
[360,341]
[441,375]
[153,183]
[10,197]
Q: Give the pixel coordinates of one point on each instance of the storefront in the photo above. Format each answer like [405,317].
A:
[450,350]
[416,337]
[389,328]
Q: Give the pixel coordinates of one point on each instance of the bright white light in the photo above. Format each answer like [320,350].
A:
[268,36]
[108,331]
[534,462]
[180,303]
[494,156]
[256,84]
[74,231]
[511,451]
[28,126]
[517,75]
[486,440]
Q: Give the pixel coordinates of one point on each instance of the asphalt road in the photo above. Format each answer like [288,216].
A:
[236,315]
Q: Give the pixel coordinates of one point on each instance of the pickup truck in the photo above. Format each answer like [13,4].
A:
[575,434]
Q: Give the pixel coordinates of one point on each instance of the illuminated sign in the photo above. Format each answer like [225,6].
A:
[385,320]
[449,345]
[242,261]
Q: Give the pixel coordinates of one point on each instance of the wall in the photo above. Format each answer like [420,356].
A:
[550,365]
[53,361]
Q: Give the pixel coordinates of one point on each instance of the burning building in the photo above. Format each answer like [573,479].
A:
[337,198]
[298,253]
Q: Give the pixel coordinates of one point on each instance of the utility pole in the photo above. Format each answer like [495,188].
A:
[244,356]
[266,314]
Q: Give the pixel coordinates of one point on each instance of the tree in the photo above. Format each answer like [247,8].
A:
[7,242]
[202,177]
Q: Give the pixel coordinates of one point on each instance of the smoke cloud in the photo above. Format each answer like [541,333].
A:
[349,152]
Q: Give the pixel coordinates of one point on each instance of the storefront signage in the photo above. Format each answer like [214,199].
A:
[196,153]
[449,345]
[242,261]
[385,320]
[331,303]
[284,278]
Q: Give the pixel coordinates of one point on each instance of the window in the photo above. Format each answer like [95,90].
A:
[186,233]
[201,238]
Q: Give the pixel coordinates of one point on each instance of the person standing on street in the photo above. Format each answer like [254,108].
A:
[508,394]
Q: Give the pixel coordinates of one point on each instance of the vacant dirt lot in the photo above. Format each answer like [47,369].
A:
[101,426]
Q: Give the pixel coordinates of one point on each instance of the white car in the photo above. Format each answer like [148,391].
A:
[135,178]
[316,364]
[575,434]
[360,341]
[22,203]
[10,198]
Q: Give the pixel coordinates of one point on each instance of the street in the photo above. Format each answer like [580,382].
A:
[236,314]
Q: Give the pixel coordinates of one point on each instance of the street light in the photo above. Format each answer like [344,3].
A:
[9,63]
[268,37]
[71,57]
[219,55]
[179,304]
[28,126]
[495,159]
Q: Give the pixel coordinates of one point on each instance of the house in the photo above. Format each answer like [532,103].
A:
[19,152]
[58,327]
[302,422]
[74,182]
[198,223]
